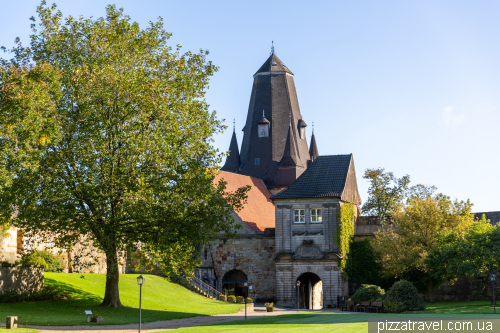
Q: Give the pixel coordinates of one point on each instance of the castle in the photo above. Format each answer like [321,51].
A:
[292,215]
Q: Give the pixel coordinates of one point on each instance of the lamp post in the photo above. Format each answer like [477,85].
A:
[298,286]
[246,295]
[492,278]
[140,281]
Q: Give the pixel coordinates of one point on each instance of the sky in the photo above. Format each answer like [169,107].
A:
[409,86]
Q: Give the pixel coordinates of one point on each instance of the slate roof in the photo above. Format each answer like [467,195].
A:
[326,177]
[290,156]
[258,211]
[273,64]
[233,161]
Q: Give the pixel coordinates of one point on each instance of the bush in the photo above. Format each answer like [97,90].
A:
[240,299]
[248,300]
[231,298]
[368,292]
[403,296]
[222,297]
[43,259]
[44,294]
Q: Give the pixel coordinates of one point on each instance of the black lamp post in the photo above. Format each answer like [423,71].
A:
[140,281]
[246,295]
[492,278]
[298,286]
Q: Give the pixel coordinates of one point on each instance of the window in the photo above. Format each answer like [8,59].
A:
[316,215]
[257,161]
[206,254]
[299,216]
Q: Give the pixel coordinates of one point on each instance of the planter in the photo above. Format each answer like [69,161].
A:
[231,299]
[270,309]
[240,299]
[96,319]
[223,298]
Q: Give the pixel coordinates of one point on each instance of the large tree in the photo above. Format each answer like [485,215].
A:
[128,161]
[385,192]
[404,243]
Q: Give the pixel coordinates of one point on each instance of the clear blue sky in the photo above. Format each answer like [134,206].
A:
[411,86]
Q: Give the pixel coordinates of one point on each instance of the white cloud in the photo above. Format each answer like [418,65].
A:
[451,118]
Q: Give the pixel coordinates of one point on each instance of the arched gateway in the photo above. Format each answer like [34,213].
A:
[232,283]
[310,291]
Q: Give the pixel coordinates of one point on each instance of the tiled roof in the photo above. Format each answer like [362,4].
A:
[325,177]
[258,211]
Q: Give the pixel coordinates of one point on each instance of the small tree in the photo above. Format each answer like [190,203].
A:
[404,243]
[125,157]
[385,192]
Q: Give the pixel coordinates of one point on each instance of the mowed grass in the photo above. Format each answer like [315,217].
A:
[19,330]
[347,322]
[161,300]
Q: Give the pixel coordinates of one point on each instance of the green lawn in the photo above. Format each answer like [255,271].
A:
[345,322]
[161,300]
[19,330]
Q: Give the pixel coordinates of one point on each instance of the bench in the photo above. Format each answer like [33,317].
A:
[377,306]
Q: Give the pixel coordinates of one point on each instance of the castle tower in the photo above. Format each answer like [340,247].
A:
[274,134]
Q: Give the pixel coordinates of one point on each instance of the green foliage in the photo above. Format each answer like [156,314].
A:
[385,192]
[473,255]
[368,292]
[231,298]
[403,296]
[240,299]
[222,298]
[43,259]
[345,233]
[122,148]
[47,293]
[248,300]
[403,244]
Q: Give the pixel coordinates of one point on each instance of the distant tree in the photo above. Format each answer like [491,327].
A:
[386,192]
[125,153]
[403,243]
[474,255]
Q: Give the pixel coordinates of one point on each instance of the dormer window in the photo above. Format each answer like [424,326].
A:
[263,127]
[302,129]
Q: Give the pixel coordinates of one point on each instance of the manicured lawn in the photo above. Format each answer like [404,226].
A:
[161,300]
[346,322]
[19,330]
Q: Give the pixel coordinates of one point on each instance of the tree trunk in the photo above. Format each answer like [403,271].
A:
[112,294]
[431,291]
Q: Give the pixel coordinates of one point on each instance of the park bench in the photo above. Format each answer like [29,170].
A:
[363,306]
[349,306]
[377,306]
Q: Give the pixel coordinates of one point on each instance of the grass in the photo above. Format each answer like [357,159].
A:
[345,322]
[161,300]
[19,330]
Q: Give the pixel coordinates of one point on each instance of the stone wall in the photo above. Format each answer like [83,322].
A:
[254,257]
[23,279]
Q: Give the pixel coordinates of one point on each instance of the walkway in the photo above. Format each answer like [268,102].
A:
[260,311]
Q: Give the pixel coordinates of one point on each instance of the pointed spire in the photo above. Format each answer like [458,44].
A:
[233,160]
[272,47]
[313,148]
[290,156]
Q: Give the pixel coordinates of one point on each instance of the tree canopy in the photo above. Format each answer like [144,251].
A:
[121,146]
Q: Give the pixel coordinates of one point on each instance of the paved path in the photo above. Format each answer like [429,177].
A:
[156,326]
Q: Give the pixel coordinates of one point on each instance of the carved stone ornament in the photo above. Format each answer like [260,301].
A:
[307,206]
[308,268]
[329,205]
[285,268]
[336,268]
[328,268]
[307,233]
[308,252]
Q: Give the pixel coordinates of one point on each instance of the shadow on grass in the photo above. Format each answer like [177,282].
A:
[71,292]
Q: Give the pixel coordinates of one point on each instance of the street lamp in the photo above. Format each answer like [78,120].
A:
[140,281]
[492,278]
[246,292]
[298,285]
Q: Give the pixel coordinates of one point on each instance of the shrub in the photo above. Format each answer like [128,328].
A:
[368,292]
[248,300]
[269,304]
[222,297]
[44,259]
[240,299]
[231,298]
[403,296]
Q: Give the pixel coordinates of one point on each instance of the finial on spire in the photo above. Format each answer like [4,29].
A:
[234,124]
[263,116]
[313,127]
[290,117]
[272,47]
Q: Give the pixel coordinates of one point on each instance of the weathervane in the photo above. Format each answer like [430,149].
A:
[272,47]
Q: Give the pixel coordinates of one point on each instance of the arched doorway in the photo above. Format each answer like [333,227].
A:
[310,291]
[232,283]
